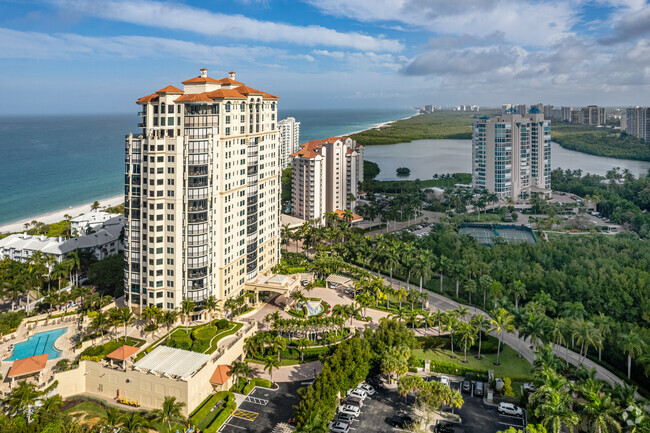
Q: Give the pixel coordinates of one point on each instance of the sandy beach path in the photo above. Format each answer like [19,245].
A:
[59,215]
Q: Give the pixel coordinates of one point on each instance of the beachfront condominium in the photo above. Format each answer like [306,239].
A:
[202,193]
[289,140]
[638,122]
[326,176]
[511,154]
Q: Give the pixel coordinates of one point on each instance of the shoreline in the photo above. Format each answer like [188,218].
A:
[74,211]
[59,215]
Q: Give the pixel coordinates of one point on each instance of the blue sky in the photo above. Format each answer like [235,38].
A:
[92,56]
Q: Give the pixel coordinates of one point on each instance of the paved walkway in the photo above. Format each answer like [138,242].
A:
[290,373]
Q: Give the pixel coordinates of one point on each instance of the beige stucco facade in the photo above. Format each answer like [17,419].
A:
[150,390]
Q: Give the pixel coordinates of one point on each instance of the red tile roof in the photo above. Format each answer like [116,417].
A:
[245,90]
[194,97]
[170,89]
[29,365]
[221,374]
[310,149]
[123,352]
[199,80]
[340,214]
[146,99]
[229,81]
[226,93]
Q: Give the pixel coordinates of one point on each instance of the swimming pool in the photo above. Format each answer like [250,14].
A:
[38,344]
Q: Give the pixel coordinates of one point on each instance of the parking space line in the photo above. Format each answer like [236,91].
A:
[256,400]
[245,414]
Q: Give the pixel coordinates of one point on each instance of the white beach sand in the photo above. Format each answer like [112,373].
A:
[59,215]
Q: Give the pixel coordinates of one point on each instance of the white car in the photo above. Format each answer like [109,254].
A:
[339,427]
[530,387]
[334,285]
[367,388]
[444,380]
[509,409]
[359,393]
[349,410]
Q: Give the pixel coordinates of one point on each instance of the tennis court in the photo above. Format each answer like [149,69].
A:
[486,233]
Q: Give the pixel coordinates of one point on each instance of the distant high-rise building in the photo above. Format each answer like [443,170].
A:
[623,123]
[577,117]
[202,198]
[539,107]
[548,111]
[638,122]
[566,114]
[593,115]
[326,176]
[289,140]
[511,154]
[521,108]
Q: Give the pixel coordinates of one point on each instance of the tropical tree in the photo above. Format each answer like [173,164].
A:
[112,419]
[632,345]
[168,319]
[467,334]
[302,344]
[171,410]
[151,314]
[21,398]
[502,321]
[124,317]
[481,323]
[211,305]
[100,323]
[422,267]
[187,308]
[470,288]
[449,323]
[270,364]
[600,414]
[554,412]
[134,423]
[519,292]
[240,369]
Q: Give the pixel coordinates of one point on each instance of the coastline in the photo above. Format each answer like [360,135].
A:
[59,215]
[74,211]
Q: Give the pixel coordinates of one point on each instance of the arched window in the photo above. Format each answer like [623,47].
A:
[242,107]
[273,106]
[227,107]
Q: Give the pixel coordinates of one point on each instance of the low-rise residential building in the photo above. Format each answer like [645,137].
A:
[106,240]
[326,176]
[289,140]
[90,222]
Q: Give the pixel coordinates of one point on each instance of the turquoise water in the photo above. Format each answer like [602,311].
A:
[38,344]
[49,163]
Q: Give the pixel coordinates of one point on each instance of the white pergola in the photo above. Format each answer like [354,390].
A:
[170,362]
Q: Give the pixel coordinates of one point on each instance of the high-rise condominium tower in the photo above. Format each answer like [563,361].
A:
[289,140]
[511,154]
[202,193]
[638,122]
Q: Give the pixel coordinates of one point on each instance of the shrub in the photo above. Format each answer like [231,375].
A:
[222,324]
[9,321]
[449,368]
[507,387]
[488,345]
[257,381]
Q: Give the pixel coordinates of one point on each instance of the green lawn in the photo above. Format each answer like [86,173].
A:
[511,364]
[92,409]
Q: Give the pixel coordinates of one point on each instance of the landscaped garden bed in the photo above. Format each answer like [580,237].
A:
[202,338]
[214,410]
[99,352]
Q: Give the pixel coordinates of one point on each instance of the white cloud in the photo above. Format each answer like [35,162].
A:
[524,22]
[181,17]
[16,44]
[365,61]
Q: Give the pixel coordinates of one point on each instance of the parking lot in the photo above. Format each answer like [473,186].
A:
[263,410]
[377,412]
[478,417]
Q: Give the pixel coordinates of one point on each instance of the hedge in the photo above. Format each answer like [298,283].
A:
[97,353]
[203,410]
[257,381]
[448,367]
[221,417]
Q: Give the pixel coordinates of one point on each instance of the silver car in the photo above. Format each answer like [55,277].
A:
[339,427]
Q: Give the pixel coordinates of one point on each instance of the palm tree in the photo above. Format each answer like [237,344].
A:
[124,317]
[75,262]
[113,419]
[632,345]
[302,344]
[600,414]
[59,271]
[422,267]
[211,305]
[603,325]
[134,423]
[168,319]
[470,287]
[22,398]
[449,322]
[586,336]
[187,308]
[100,323]
[467,333]
[481,323]
[441,266]
[270,364]
[240,369]
[171,410]
[519,292]
[501,322]
[150,314]
[555,412]
[279,344]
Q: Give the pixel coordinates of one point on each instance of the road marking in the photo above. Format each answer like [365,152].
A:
[511,425]
[256,400]
[521,417]
[245,414]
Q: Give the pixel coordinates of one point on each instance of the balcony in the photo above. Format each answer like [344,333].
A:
[142,125]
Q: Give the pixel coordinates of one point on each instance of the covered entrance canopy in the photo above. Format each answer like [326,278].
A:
[340,280]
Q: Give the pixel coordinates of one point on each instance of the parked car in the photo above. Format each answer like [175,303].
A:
[349,410]
[339,427]
[498,384]
[444,428]
[344,417]
[466,386]
[530,387]
[444,380]
[334,285]
[360,393]
[509,409]
[304,282]
[401,421]
[354,401]
[368,389]
[479,389]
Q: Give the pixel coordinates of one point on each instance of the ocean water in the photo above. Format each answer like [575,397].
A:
[48,163]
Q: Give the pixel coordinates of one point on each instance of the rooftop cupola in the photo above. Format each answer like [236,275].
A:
[204,72]
[231,74]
